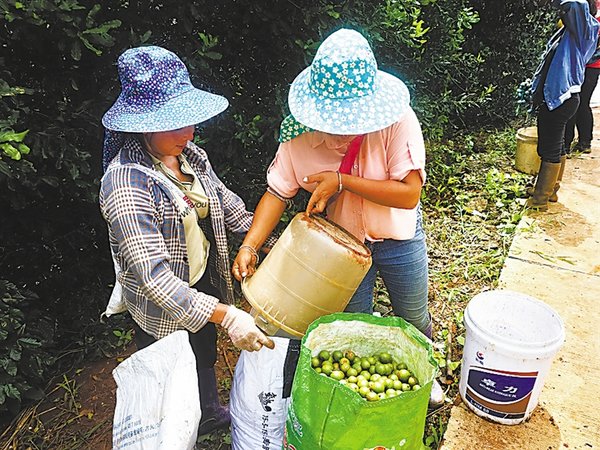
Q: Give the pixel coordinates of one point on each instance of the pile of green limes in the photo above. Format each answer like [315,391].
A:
[374,377]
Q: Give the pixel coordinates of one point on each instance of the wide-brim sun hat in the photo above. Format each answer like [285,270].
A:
[343,91]
[157,94]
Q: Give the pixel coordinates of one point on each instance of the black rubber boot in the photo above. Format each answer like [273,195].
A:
[544,186]
[563,162]
[214,415]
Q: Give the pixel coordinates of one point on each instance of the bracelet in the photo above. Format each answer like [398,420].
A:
[251,250]
[339,175]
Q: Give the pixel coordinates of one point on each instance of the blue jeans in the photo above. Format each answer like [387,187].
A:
[403,267]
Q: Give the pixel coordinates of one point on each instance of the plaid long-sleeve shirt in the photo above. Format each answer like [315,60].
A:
[147,238]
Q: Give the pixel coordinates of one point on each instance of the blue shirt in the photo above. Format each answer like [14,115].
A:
[562,68]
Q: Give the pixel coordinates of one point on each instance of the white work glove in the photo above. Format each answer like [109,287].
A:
[243,332]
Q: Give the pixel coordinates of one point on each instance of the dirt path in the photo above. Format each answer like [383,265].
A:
[554,257]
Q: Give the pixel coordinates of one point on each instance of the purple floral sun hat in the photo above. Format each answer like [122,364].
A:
[343,92]
[156,95]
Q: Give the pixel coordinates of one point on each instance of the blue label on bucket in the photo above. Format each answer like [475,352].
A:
[500,393]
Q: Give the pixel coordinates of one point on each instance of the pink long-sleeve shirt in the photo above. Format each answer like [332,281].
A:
[388,154]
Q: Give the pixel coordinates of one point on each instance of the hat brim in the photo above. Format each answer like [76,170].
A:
[354,115]
[189,108]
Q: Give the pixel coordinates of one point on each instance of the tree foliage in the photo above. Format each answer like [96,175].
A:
[58,76]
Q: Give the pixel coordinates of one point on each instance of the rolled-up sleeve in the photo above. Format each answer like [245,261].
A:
[281,176]
[406,148]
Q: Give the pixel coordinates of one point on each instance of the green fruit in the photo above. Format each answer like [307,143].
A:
[345,367]
[345,361]
[372,369]
[366,374]
[352,372]
[385,357]
[412,381]
[380,369]
[403,375]
[337,355]
[389,368]
[364,391]
[350,355]
[315,362]
[365,364]
[337,375]
[416,387]
[397,385]
[327,368]
[406,387]
[401,366]
[378,387]
[323,355]
[372,396]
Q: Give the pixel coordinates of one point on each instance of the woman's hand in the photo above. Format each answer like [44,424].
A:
[244,264]
[327,186]
[267,214]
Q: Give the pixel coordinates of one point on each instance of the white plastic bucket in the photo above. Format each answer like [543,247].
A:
[511,340]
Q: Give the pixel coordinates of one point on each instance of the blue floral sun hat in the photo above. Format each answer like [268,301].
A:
[343,92]
[156,95]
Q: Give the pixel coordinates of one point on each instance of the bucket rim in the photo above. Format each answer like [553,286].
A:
[325,225]
[541,348]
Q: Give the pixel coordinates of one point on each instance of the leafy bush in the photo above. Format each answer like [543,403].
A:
[24,339]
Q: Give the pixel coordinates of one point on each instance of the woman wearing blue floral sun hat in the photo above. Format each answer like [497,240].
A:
[168,215]
[354,142]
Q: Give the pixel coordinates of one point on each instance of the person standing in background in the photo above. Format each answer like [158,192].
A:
[555,91]
[584,118]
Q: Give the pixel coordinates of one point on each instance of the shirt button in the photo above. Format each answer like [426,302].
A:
[356,166]
[185,259]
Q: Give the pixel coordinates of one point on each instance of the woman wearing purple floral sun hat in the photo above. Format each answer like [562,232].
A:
[168,215]
[356,145]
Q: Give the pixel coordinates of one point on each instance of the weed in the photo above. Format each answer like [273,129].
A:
[124,337]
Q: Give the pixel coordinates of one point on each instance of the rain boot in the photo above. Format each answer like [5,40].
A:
[563,161]
[214,415]
[544,186]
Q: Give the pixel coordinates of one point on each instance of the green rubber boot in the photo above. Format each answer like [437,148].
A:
[544,186]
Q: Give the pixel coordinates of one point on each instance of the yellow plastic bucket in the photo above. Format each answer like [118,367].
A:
[526,157]
[313,270]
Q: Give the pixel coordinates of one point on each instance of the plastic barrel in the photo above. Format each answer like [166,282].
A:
[313,270]
[511,340]
[526,157]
